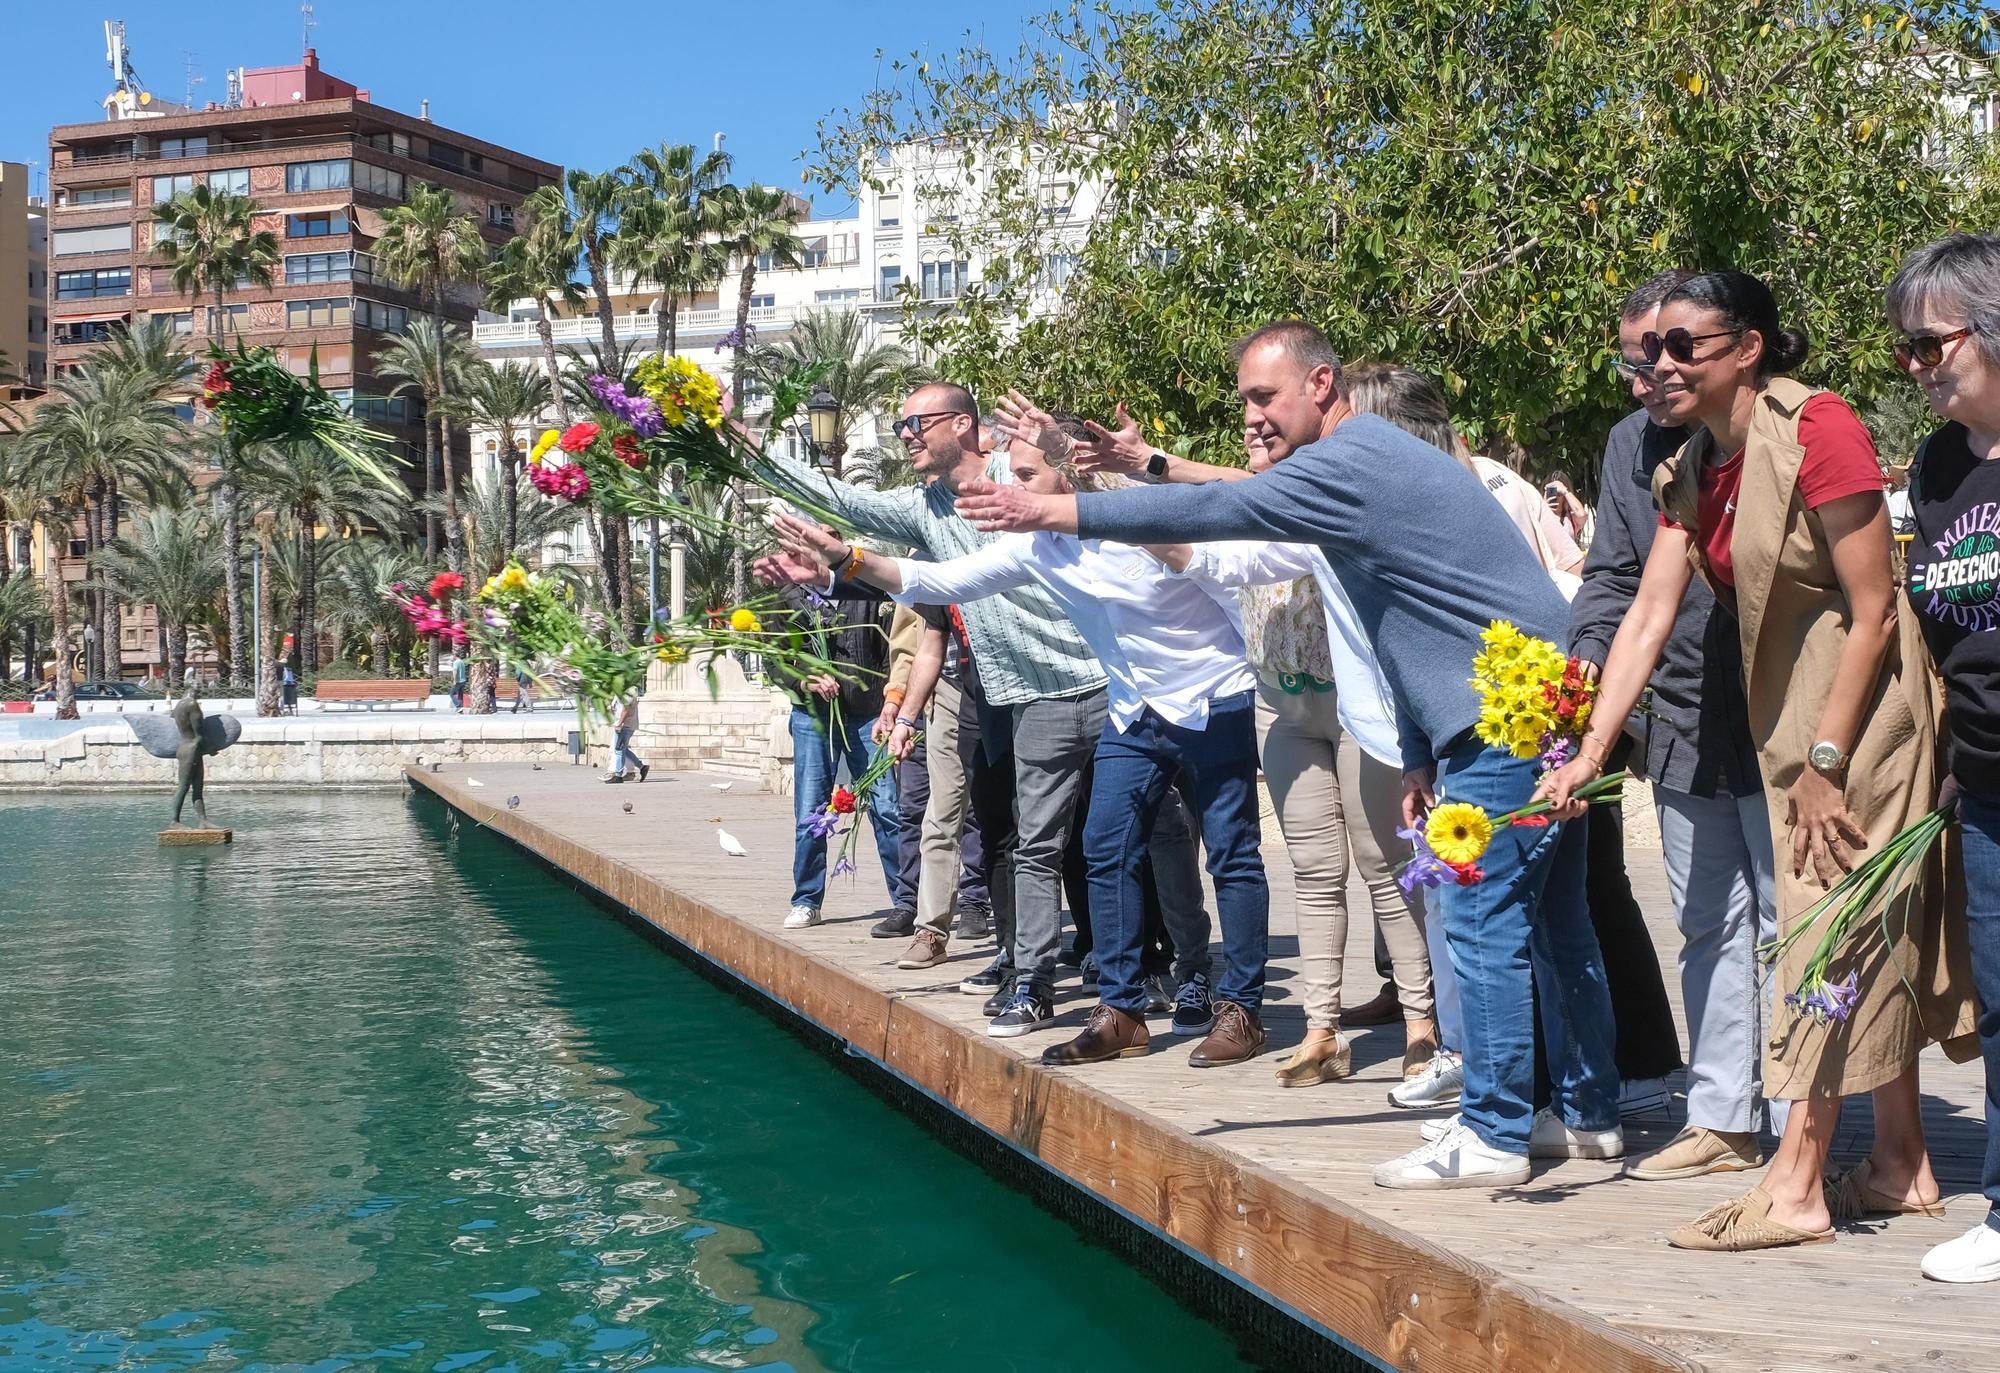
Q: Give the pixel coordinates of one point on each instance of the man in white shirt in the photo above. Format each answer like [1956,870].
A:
[1181,698]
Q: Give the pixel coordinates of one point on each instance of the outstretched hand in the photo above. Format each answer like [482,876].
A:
[1013,509]
[1122,450]
[1018,418]
[786,569]
[810,545]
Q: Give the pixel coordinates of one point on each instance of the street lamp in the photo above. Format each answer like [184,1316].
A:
[824,413]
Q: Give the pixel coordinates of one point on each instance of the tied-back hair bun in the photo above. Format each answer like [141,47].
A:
[1744,303]
[1786,352]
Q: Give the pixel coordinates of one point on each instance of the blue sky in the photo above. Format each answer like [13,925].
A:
[613,76]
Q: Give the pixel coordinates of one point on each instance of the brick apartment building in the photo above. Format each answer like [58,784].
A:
[322,161]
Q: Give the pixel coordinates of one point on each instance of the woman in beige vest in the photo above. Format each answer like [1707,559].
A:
[1777,502]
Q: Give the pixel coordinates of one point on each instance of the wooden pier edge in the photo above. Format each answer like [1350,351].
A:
[1392,1296]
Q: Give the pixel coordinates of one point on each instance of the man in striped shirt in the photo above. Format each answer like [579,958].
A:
[1041,680]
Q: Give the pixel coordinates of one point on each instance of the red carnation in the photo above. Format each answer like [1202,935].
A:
[626,447]
[444,584]
[1531,822]
[842,802]
[217,379]
[1468,874]
[578,437]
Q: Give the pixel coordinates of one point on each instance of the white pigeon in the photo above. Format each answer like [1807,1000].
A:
[722,786]
[513,802]
[729,843]
[474,782]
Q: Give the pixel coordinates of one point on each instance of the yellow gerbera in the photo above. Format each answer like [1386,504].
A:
[744,622]
[1458,833]
[548,440]
[514,579]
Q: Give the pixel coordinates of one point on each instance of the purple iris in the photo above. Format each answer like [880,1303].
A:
[821,824]
[843,866]
[1829,1001]
[1425,869]
[1557,750]
[638,411]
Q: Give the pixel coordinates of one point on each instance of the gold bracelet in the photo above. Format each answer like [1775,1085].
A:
[1583,752]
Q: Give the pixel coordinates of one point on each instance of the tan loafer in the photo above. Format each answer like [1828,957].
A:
[925,951]
[1309,1067]
[1849,1196]
[1695,1152]
[1109,1033]
[1236,1038]
[1739,1226]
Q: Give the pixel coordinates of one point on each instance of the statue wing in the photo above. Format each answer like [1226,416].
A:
[157,734]
[218,732]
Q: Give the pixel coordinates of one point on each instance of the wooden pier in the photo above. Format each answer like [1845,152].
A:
[1570,1272]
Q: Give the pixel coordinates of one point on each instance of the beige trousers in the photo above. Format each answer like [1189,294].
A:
[949,751]
[1335,802]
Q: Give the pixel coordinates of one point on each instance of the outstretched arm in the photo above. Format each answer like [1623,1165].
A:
[886,514]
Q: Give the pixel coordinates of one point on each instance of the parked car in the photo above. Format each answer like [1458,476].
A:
[107,691]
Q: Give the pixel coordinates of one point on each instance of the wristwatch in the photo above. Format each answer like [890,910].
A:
[1156,466]
[1825,756]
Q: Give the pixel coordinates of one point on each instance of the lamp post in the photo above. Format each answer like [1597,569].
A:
[823,411]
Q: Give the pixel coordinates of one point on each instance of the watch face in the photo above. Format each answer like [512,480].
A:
[1825,757]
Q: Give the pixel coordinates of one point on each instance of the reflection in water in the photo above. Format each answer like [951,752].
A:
[366,1090]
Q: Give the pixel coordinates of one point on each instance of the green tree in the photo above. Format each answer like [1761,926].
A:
[211,243]
[757,222]
[1466,191]
[355,597]
[427,363]
[861,376]
[539,264]
[23,606]
[591,209]
[672,225]
[508,398]
[171,561]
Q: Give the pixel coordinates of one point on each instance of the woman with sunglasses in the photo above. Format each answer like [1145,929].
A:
[1777,499]
[1945,302]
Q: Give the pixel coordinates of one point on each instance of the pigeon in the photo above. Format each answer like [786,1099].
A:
[536,766]
[474,782]
[513,803]
[628,807]
[722,786]
[729,843]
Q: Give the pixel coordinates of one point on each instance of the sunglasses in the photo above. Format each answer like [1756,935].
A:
[1678,344]
[1628,370]
[912,426]
[1927,350]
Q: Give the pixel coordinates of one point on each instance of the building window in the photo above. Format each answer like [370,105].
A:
[378,181]
[101,195]
[446,156]
[319,314]
[108,238]
[196,146]
[850,295]
[500,216]
[106,281]
[165,188]
[1056,268]
[322,225]
[381,409]
[891,281]
[373,314]
[234,319]
[769,302]
[180,321]
[396,143]
[308,268]
[814,256]
[84,330]
[331,175]
[234,181]
[944,280]
[889,212]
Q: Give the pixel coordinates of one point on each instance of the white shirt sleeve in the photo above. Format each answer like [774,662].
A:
[1003,565]
[1229,565]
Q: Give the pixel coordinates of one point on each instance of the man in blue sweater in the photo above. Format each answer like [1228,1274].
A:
[1429,560]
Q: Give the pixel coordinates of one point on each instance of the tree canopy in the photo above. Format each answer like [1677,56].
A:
[1466,189]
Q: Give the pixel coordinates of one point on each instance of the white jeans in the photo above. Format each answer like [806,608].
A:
[1719,873]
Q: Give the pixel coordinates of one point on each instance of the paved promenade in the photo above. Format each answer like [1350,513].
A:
[1570,1271]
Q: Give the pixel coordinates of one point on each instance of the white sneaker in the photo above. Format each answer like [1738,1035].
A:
[1457,1158]
[1973,1257]
[801,917]
[1439,1084]
[1548,1138]
[1646,1097]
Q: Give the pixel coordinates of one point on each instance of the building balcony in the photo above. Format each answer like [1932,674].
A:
[643,325]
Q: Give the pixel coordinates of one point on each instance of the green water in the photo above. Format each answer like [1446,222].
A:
[362,1091]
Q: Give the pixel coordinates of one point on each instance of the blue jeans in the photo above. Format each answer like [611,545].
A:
[622,758]
[1527,926]
[1980,823]
[1133,770]
[814,770]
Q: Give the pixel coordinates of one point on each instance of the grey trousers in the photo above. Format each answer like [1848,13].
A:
[1053,739]
[1719,873]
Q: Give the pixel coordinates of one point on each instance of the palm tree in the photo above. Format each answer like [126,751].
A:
[592,209]
[539,264]
[23,605]
[508,398]
[758,222]
[356,594]
[211,241]
[861,376]
[672,226]
[264,531]
[171,562]
[426,362]
[536,521]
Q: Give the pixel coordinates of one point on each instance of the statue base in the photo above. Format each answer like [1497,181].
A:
[179,838]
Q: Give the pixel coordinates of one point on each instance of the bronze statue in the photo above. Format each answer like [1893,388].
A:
[190,739]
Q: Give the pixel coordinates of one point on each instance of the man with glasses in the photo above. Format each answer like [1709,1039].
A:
[1714,829]
[1042,683]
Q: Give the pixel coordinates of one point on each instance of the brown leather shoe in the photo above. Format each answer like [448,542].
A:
[925,951]
[1384,1009]
[1238,1036]
[1110,1033]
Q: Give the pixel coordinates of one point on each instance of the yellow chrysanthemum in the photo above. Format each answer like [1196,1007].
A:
[514,579]
[548,440]
[1458,833]
[672,653]
[744,622]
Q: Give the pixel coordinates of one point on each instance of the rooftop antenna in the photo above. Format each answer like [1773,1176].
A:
[120,57]
[194,77]
[306,12]
[233,95]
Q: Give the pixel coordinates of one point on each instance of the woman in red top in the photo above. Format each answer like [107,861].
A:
[1779,501]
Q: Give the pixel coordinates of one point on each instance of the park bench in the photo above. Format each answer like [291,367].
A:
[370,693]
[506,691]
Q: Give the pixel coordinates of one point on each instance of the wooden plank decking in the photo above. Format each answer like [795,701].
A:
[1570,1272]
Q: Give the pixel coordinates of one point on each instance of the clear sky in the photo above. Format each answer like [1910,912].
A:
[584,84]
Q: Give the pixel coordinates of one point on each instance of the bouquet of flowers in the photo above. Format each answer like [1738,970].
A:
[1535,702]
[844,803]
[259,401]
[1876,892]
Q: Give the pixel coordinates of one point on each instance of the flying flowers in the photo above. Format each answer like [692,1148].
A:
[549,439]
[578,436]
[567,480]
[681,390]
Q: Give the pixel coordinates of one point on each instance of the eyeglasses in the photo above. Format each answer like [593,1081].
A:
[1927,350]
[1678,344]
[912,426]
[1628,370]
